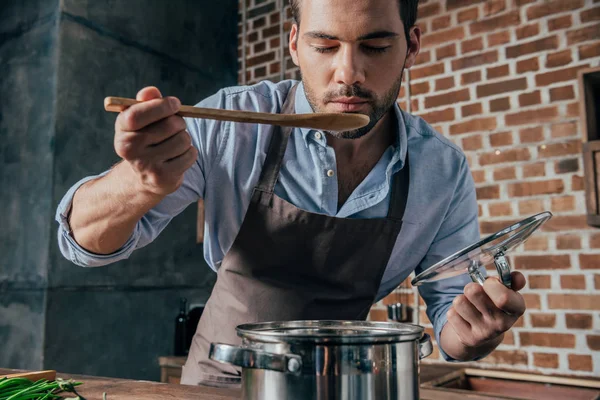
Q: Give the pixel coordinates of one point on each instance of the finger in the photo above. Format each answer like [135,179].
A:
[148,93]
[504,298]
[460,326]
[475,293]
[183,162]
[171,148]
[162,130]
[518,280]
[467,311]
[143,114]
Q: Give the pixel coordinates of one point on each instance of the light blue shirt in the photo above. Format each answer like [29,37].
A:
[441,212]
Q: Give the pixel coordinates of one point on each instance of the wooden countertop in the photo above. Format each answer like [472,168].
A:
[125,389]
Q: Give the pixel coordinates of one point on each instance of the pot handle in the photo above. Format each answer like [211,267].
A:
[425,346]
[252,358]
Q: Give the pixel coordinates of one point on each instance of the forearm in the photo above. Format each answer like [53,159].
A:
[452,345]
[105,211]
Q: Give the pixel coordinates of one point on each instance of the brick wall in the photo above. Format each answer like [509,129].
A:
[499,78]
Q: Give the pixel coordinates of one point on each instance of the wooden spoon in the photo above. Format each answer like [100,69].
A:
[321,121]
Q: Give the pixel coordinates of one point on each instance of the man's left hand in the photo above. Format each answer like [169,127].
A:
[478,318]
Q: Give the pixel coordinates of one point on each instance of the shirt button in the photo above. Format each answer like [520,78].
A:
[330,173]
[318,135]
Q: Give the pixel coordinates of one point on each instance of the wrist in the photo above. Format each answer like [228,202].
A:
[451,344]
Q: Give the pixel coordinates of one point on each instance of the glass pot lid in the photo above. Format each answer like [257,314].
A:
[492,249]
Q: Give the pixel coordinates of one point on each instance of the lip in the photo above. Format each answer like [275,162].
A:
[349,100]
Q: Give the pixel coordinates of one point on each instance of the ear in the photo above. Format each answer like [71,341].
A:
[414,46]
[293,45]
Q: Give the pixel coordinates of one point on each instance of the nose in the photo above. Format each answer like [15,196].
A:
[348,68]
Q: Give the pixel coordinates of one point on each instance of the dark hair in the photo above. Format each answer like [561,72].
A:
[408,13]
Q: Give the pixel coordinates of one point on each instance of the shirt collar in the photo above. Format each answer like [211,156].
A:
[302,106]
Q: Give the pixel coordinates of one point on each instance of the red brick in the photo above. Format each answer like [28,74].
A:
[556,261]
[572,282]
[419,88]
[429,70]
[565,222]
[510,357]
[454,4]
[272,31]
[543,320]
[593,14]
[488,192]
[508,19]
[509,338]
[583,34]
[501,139]
[560,149]
[573,110]
[528,207]
[547,339]
[472,143]
[502,174]
[535,46]
[589,261]
[510,85]
[498,38]
[563,203]
[510,155]
[532,301]
[435,117]
[562,22]
[595,241]
[428,10]
[535,188]
[471,109]
[593,342]
[501,104]
[439,37]
[560,75]
[531,170]
[445,51]
[424,57]
[562,93]
[442,22]
[479,175]
[470,77]
[559,59]
[573,302]
[579,321]
[530,99]
[446,98]
[532,116]
[497,72]
[580,362]
[539,281]
[520,3]
[530,64]
[536,243]
[261,59]
[274,18]
[500,209]
[589,51]
[528,31]
[488,227]
[552,7]
[378,315]
[274,68]
[393,297]
[492,7]
[474,125]
[567,165]
[564,129]
[471,45]
[597,281]
[475,61]
[470,14]
[545,360]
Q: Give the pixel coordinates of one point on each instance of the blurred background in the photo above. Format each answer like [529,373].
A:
[514,83]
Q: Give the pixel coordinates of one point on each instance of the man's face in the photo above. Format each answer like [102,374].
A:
[351,55]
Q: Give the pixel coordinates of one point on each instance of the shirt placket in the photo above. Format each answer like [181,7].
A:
[328,171]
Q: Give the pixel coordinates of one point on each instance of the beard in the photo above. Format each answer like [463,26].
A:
[379,106]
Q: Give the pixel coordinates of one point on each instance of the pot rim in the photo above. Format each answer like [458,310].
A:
[330,331]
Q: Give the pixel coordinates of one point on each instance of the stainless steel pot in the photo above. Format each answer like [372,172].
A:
[327,360]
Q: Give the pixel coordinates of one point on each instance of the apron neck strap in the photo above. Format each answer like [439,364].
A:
[277,146]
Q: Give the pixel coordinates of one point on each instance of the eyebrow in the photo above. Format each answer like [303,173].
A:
[368,36]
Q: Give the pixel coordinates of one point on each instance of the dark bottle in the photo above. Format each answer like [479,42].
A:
[181,329]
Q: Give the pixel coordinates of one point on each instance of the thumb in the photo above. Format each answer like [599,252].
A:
[518,281]
[148,93]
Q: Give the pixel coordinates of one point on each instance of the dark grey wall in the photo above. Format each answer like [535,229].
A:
[115,320]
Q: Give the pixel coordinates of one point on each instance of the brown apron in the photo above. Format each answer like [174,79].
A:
[289,264]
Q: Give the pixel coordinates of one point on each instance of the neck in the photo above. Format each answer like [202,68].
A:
[374,143]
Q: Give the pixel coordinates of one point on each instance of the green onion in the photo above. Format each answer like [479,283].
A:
[24,389]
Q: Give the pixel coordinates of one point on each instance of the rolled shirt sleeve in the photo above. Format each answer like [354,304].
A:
[459,229]
[206,137]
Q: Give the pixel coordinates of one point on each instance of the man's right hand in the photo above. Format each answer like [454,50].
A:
[153,141]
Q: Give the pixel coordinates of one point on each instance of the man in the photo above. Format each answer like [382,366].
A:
[302,224]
